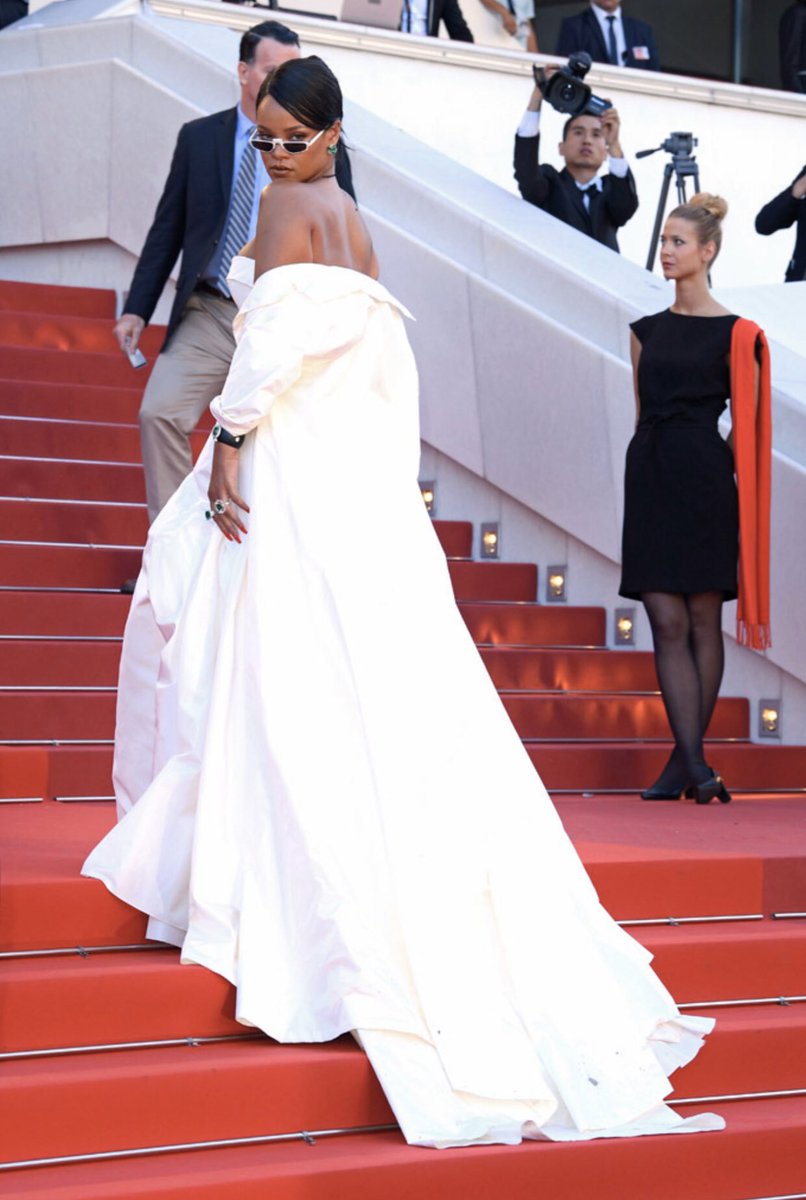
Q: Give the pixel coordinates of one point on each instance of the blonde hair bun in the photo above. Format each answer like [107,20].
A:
[715,206]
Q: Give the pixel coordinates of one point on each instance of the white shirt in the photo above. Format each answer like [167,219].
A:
[414,18]
[618,29]
[530,127]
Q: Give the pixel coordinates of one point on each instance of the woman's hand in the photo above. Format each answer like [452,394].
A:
[224,490]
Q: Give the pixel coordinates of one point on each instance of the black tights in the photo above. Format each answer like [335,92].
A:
[689,659]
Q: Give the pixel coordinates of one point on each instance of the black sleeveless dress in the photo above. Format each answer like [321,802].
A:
[681,517]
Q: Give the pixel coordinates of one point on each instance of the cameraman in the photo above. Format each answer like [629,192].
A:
[578,195]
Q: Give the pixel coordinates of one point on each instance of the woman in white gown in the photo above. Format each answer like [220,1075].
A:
[320,796]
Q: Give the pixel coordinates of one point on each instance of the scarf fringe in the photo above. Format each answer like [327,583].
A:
[756,637]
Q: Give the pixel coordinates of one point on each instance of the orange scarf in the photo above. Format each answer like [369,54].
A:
[752,450]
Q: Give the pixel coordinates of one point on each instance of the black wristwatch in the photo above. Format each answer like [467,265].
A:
[226,438]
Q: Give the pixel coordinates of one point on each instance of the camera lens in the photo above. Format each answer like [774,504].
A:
[567,92]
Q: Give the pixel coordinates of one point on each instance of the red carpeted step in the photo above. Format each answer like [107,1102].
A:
[117,1100]
[534,624]
[73,480]
[121,1099]
[62,614]
[619,766]
[71,715]
[552,670]
[48,663]
[71,332]
[61,715]
[24,775]
[70,401]
[16,295]
[604,717]
[760,1153]
[46,438]
[147,995]
[493,581]
[80,771]
[109,998]
[117,523]
[111,524]
[703,963]
[456,538]
[756,1049]
[83,440]
[74,366]
[49,566]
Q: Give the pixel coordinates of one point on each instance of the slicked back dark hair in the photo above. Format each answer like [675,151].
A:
[306,88]
[273,30]
[570,122]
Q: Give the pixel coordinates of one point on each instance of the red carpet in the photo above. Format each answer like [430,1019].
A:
[71,524]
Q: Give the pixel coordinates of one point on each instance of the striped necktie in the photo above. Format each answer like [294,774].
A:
[240,212]
[612,44]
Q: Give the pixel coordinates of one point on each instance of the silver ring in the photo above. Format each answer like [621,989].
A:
[220,506]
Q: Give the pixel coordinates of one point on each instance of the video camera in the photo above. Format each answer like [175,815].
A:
[565,90]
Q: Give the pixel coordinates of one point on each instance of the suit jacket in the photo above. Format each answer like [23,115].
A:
[780,213]
[191,214]
[792,47]
[556,193]
[12,10]
[584,32]
[449,12]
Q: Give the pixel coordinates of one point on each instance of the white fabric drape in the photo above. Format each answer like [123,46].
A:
[321,796]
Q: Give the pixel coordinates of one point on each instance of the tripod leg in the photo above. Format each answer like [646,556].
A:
[664,196]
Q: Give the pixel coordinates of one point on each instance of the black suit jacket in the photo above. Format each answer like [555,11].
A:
[792,47]
[584,32]
[191,214]
[556,193]
[12,10]
[449,12]
[780,213]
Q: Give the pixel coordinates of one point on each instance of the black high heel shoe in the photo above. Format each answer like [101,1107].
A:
[659,793]
[704,793]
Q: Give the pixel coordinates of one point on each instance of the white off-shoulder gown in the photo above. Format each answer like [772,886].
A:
[320,795]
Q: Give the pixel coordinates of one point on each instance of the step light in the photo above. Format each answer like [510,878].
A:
[624,634]
[428,491]
[556,581]
[490,540]
[769,718]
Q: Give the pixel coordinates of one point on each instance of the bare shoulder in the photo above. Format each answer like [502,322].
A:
[284,227]
[285,200]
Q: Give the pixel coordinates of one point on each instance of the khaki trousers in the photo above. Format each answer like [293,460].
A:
[185,379]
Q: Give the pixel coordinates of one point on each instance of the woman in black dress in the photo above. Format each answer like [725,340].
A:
[681,522]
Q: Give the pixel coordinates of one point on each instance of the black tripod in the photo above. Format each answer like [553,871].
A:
[683,165]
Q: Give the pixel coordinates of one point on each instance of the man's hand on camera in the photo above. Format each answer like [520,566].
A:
[611,127]
[536,98]
[127,330]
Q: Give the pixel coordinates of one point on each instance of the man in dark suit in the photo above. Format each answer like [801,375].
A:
[12,10]
[609,37]
[792,47]
[788,208]
[198,215]
[595,205]
[424,18]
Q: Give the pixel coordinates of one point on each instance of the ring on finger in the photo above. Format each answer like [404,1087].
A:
[220,506]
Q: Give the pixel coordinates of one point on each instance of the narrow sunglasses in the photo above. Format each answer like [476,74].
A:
[267,145]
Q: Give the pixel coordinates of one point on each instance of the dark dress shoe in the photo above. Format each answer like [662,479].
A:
[705,792]
[127,587]
[657,793]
